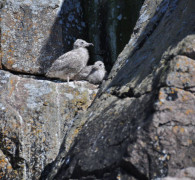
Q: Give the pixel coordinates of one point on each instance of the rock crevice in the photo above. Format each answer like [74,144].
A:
[140,124]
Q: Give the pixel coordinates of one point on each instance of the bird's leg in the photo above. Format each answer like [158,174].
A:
[68,80]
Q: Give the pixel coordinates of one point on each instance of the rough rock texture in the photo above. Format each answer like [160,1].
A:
[35,113]
[2,3]
[40,31]
[35,33]
[141,125]
[184,174]
[34,116]
[26,27]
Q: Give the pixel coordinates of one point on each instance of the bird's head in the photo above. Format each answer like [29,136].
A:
[99,65]
[81,43]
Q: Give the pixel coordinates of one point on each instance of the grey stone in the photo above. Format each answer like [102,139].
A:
[26,27]
[141,124]
[184,174]
[35,116]
[2,4]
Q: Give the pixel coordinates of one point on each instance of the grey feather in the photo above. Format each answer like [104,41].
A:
[70,63]
[94,73]
[84,73]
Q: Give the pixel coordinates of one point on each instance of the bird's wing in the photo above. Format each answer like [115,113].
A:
[69,60]
[94,69]
[86,71]
[83,73]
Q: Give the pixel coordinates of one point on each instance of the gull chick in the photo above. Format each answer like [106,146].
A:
[94,73]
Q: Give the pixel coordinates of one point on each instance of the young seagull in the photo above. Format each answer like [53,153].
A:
[94,73]
[98,73]
[70,63]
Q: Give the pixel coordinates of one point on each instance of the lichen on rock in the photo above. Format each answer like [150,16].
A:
[141,122]
[141,125]
[35,115]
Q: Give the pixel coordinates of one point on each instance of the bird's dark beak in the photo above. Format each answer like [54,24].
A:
[90,44]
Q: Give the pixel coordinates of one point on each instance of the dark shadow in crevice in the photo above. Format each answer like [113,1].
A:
[52,49]
[14,158]
[109,27]
[68,26]
[112,126]
[144,58]
[93,22]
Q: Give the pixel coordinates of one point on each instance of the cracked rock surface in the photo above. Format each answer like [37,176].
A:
[141,125]
[35,33]
[36,112]
[35,116]
[25,28]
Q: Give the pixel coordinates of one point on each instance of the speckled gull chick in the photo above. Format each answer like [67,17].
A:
[94,73]
[70,63]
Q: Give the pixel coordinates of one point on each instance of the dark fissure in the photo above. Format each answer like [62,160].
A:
[107,24]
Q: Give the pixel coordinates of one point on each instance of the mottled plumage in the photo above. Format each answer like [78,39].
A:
[71,63]
[94,73]
[84,73]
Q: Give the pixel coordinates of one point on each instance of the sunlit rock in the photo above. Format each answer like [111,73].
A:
[35,116]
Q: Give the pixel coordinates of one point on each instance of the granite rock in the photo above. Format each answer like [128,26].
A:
[25,29]
[36,33]
[35,116]
[183,174]
[141,124]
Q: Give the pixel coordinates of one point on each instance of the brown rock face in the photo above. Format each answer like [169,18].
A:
[2,3]
[35,33]
[26,27]
[184,174]
[35,116]
[141,126]
[141,123]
